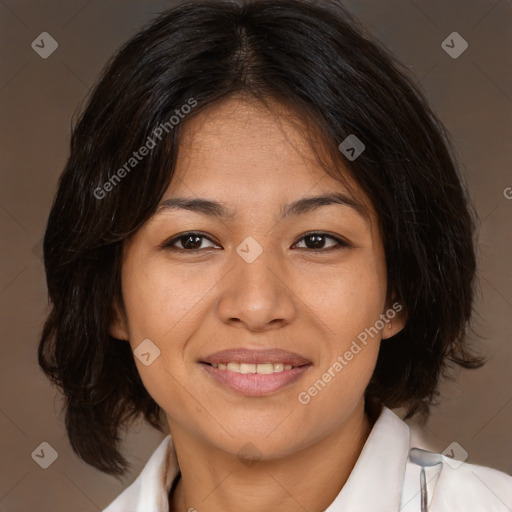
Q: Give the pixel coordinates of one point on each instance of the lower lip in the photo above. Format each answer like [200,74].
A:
[255,384]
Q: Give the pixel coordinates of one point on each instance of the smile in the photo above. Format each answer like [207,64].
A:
[254,379]
[261,368]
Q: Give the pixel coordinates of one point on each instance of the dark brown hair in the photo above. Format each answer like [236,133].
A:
[316,59]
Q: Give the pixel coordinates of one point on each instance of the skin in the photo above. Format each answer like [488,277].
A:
[307,300]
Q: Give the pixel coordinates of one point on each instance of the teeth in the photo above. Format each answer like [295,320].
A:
[234,367]
[262,368]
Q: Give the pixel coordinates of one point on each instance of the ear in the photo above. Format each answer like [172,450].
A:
[118,325]
[395,319]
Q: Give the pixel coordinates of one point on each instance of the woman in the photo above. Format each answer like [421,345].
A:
[336,280]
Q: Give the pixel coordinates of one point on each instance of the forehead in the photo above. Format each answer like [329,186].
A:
[236,117]
[240,147]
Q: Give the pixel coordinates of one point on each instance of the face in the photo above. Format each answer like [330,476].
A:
[307,281]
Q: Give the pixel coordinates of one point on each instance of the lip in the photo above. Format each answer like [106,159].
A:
[255,384]
[242,355]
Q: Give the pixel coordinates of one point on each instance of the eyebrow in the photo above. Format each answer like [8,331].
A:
[301,206]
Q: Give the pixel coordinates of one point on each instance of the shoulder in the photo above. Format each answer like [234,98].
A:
[470,487]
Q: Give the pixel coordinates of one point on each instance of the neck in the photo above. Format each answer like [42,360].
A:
[217,481]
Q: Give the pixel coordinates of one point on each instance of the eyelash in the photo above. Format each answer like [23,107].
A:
[169,245]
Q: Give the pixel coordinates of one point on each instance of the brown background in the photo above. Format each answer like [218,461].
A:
[38,97]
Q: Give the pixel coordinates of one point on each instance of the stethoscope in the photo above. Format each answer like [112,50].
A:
[424,459]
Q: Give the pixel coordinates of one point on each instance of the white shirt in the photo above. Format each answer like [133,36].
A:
[385,478]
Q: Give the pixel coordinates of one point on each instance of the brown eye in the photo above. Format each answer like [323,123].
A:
[317,241]
[189,242]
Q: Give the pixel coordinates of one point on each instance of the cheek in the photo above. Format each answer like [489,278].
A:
[334,393]
[167,386]
[346,299]
[159,299]
[347,303]
[162,306]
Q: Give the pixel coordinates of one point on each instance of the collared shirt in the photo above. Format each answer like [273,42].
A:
[387,477]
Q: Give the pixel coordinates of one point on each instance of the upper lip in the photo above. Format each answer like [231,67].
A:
[242,355]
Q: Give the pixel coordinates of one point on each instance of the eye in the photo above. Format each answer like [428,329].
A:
[190,242]
[316,242]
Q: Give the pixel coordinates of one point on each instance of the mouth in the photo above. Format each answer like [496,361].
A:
[250,368]
[255,373]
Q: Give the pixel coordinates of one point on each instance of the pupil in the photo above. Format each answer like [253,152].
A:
[193,245]
[317,241]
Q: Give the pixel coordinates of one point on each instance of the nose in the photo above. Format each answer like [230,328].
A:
[257,296]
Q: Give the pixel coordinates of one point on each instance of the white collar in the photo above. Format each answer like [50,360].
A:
[381,465]
[150,491]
